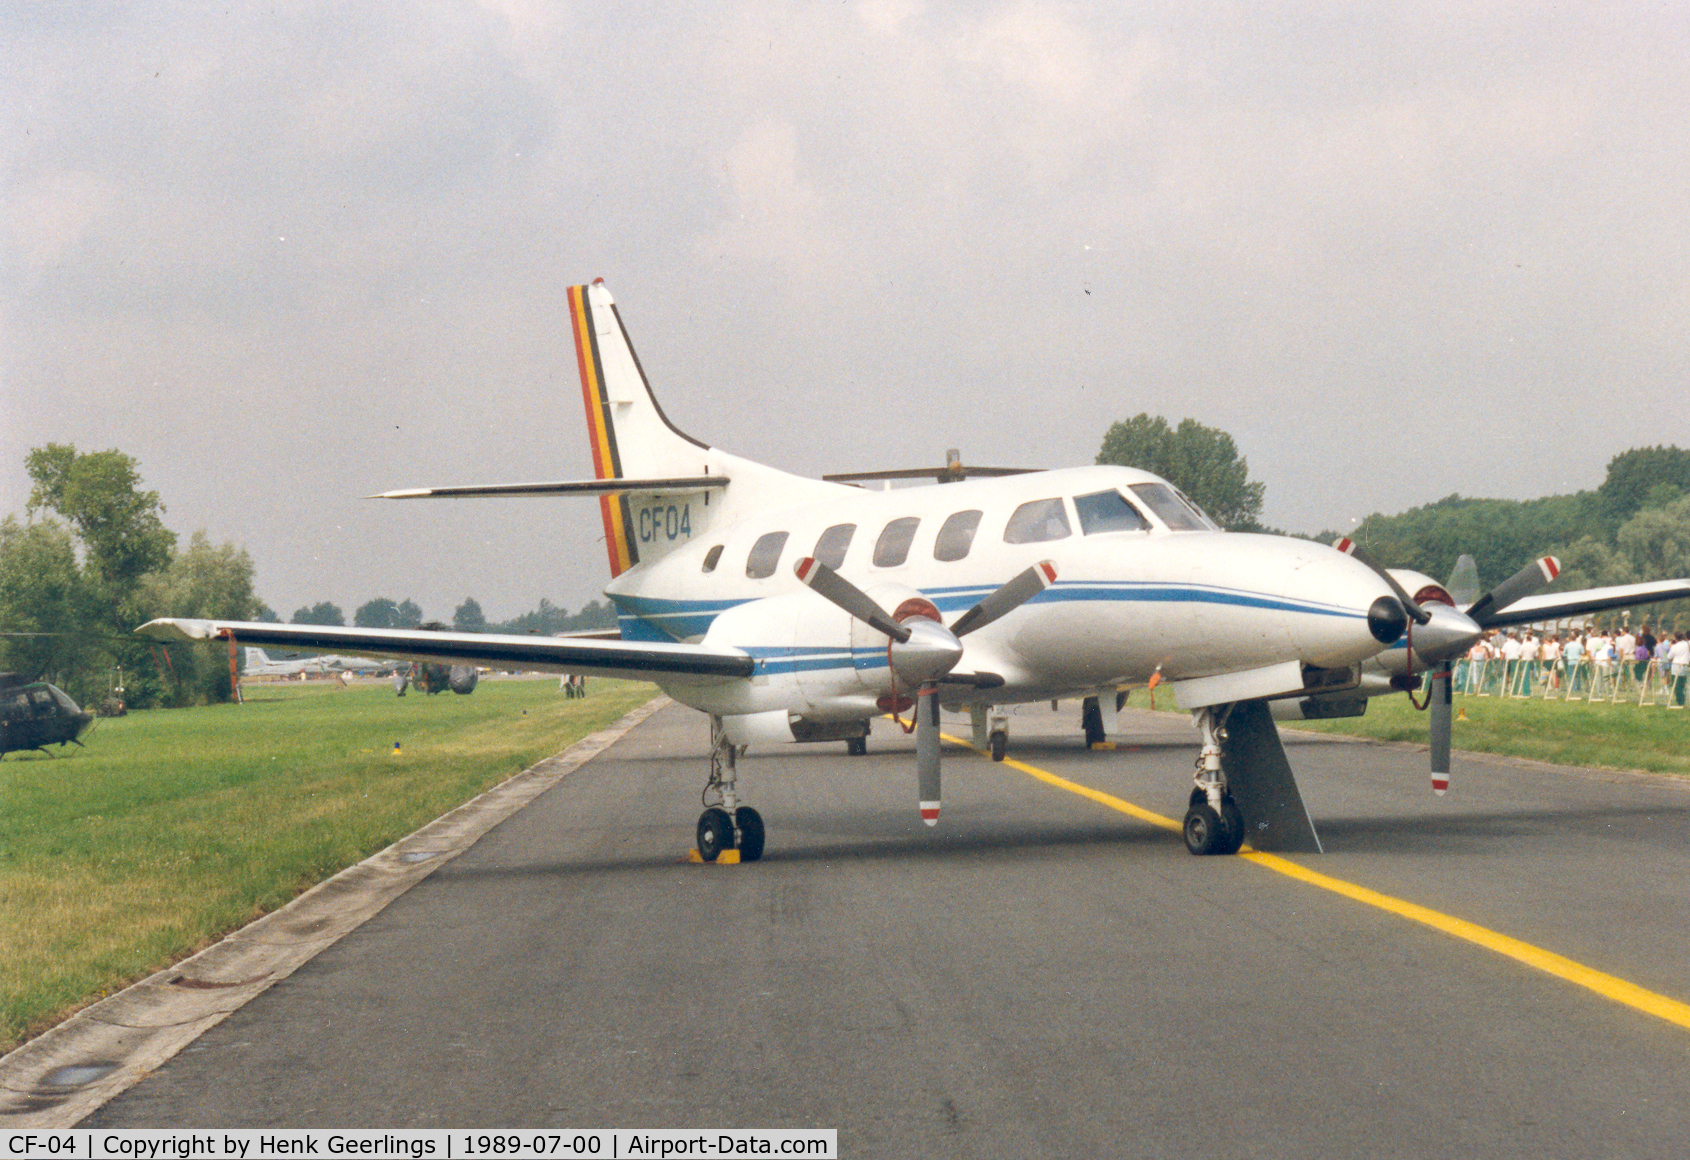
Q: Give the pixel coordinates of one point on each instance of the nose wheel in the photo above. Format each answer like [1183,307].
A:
[718,832]
[727,825]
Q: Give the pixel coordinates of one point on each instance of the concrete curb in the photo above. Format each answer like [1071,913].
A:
[68,1072]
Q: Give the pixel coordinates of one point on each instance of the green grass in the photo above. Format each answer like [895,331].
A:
[1622,736]
[176,826]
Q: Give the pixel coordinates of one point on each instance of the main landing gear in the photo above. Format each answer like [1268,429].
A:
[1213,822]
[726,825]
[991,729]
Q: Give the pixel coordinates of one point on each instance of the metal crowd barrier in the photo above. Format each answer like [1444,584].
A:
[1647,682]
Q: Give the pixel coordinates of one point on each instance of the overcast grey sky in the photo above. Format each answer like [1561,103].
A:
[289,255]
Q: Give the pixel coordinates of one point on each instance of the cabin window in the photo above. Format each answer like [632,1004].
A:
[1037,521]
[1169,508]
[1108,511]
[893,546]
[956,536]
[712,558]
[833,543]
[765,555]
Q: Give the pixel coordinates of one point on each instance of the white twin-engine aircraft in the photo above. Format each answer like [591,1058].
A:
[796,609]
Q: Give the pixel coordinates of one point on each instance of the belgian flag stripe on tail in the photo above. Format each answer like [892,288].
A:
[601,432]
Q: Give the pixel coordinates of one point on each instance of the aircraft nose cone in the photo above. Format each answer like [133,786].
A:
[1387,620]
[1449,633]
[931,651]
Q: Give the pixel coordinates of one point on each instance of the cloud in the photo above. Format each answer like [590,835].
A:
[308,252]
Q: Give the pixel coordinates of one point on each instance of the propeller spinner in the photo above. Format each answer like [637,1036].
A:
[921,651]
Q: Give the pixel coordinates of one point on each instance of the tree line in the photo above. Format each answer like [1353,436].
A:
[92,558]
[1635,526]
[384,612]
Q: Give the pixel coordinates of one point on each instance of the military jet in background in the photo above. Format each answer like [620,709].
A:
[258,663]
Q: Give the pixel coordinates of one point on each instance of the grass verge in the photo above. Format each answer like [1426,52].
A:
[1623,736]
[176,826]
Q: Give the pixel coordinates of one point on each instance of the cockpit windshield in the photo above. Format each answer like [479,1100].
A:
[1172,508]
[1108,511]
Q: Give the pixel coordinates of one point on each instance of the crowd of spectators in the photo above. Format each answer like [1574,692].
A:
[1592,661]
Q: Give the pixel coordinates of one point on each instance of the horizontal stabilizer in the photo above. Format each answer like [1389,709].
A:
[587,488]
[634,660]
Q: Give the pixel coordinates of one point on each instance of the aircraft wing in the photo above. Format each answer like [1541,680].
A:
[1557,605]
[634,660]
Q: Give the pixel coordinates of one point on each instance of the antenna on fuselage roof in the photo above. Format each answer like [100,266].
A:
[952,472]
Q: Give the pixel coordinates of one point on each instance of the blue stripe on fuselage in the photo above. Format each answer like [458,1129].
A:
[655,619]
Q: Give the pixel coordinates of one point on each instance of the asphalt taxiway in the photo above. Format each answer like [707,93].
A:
[1043,974]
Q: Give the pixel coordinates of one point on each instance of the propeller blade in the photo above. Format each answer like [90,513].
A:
[1440,728]
[927,752]
[1008,598]
[1525,582]
[1464,581]
[832,586]
[1350,548]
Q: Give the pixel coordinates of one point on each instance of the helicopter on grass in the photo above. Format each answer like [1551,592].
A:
[35,714]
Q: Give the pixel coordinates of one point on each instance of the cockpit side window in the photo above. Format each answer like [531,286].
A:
[1169,508]
[712,558]
[1108,511]
[1208,520]
[765,555]
[893,546]
[1037,521]
[834,543]
[956,535]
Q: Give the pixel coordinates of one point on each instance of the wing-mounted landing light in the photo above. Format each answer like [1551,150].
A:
[921,651]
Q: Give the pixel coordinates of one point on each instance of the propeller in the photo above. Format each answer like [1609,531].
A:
[1481,612]
[1441,632]
[921,651]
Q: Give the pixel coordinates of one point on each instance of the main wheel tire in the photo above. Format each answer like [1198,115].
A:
[715,833]
[1234,820]
[856,746]
[1205,833]
[998,743]
[750,833]
[1091,720]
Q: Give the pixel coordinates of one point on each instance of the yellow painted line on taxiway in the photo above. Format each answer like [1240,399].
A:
[1608,986]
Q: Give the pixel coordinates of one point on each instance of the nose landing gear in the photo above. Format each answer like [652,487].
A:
[726,825]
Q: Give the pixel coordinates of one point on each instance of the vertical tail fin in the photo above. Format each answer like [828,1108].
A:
[631,438]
